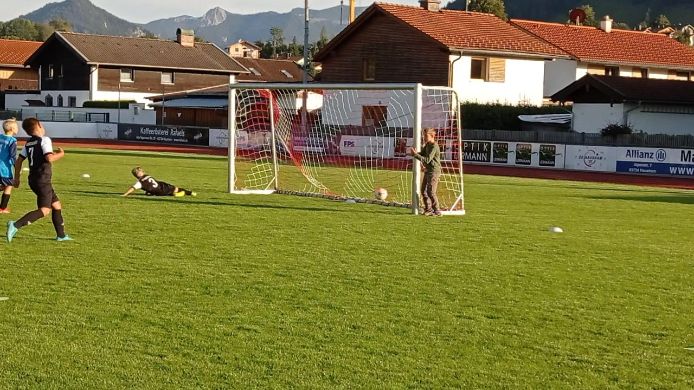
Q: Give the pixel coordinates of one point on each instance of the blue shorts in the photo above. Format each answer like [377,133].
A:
[6,182]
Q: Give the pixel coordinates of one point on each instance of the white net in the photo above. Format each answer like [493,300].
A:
[347,143]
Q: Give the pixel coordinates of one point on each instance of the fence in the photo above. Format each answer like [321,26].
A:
[570,138]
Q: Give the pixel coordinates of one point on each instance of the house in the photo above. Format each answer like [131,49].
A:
[244,49]
[207,107]
[607,51]
[14,75]
[75,68]
[655,106]
[485,59]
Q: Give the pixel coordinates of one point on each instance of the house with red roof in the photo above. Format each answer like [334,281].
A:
[607,51]
[486,59]
[14,75]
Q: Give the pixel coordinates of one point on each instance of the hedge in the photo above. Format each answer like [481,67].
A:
[502,117]
[114,104]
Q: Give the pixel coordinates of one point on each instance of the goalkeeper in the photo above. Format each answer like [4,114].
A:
[151,186]
[430,156]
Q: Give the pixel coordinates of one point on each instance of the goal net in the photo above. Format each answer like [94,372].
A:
[343,141]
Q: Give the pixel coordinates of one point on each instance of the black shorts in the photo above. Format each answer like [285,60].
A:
[6,182]
[164,189]
[45,195]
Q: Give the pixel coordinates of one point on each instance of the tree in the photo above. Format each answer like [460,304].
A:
[590,15]
[323,40]
[661,22]
[277,40]
[495,7]
[60,25]
[20,29]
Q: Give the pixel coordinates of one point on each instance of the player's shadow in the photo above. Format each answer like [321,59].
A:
[198,201]
[663,198]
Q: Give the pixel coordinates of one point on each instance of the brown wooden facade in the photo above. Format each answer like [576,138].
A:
[200,117]
[380,47]
[150,80]
[61,69]
[12,78]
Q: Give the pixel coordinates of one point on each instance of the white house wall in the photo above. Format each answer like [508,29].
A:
[559,74]
[591,118]
[114,96]
[662,123]
[523,83]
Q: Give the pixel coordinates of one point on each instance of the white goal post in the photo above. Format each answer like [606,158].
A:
[344,141]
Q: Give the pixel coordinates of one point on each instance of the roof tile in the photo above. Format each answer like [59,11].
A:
[591,44]
[15,53]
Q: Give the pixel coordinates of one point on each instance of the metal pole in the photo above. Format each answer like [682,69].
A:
[119,103]
[163,104]
[467,3]
[273,140]
[417,144]
[342,7]
[232,133]
[304,99]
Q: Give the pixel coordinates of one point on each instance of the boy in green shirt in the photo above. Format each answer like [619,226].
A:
[430,156]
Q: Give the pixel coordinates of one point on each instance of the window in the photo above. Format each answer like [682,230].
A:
[254,71]
[374,116]
[72,101]
[640,73]
[612,71]
[60,71]
[682,76]
[167,77]
[237,49]
[478,69]
[286,73]
[369,69]
[60,101]
[49,101]
[51,71]
[127,75]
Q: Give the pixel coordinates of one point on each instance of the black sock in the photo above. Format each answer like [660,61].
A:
[58,223]
[28,219]
[5,201]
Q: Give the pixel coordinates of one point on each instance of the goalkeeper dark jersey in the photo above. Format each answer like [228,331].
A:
[430,156]
[153,187]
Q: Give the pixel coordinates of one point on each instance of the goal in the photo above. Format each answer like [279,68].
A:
[343,141]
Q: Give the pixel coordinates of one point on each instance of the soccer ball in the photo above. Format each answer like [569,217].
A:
[380,193]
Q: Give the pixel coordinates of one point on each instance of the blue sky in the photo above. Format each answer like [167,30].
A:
[140,11]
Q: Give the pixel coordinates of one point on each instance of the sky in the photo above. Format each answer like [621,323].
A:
[140,11]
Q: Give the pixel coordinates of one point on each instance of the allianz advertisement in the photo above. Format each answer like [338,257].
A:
[654,161]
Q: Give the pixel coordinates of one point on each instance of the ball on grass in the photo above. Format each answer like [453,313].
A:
[556,229]
[380,193]
[86,176]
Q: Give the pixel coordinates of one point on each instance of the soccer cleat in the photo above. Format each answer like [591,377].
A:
[61,239]
[436,213]
[179,194]
[4,211]
[11,231]
[193,194]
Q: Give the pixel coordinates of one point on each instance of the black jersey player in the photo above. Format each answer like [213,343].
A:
[152,186]
[39,151]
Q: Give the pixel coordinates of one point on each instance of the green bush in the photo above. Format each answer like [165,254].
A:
[502,117]
[114,104]
[614,130]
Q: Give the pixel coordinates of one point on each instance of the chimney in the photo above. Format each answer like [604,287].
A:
[606,24]
[430,5]
[185,38]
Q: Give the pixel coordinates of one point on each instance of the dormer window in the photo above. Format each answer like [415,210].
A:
[254,71]
[286,73]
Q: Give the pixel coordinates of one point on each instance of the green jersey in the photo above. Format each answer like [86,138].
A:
[430,156]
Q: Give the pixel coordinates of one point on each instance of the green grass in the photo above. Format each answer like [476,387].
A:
[224,291]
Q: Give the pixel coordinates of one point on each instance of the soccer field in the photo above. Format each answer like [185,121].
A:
[223,291]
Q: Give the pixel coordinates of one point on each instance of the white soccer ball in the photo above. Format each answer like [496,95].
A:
[86,176]
[556,229]
[380,193]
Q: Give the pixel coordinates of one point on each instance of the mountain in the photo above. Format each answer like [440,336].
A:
[85,17]
[223,27]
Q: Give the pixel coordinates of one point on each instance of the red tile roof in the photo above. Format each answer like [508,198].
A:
[144,52]
[457,30]
[618,47]
[15,53]
[272,71]
[470,30]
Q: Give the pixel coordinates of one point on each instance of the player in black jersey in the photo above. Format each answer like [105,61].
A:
[151,186]
[39,151]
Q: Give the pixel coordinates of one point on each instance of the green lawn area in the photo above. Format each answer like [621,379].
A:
[228,291]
